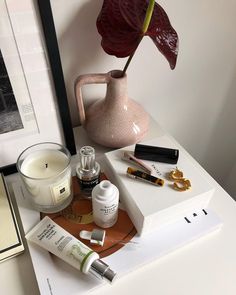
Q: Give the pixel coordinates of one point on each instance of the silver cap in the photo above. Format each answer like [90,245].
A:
[98,236]
[102,271]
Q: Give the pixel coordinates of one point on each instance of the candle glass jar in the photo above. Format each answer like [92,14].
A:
[46,173]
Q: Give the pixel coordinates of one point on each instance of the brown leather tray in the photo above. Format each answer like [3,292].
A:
[78,216]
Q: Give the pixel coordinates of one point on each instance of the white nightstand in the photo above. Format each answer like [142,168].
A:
[204,267]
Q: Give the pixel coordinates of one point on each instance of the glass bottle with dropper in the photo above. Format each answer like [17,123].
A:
[88,170]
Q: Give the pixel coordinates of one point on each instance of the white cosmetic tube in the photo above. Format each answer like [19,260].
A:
[53,238]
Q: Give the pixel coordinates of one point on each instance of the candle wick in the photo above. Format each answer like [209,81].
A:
[46,165]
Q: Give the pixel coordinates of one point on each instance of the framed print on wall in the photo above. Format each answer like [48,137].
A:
[30,110]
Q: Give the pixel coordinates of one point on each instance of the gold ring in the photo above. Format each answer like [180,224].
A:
[176,174]
[182,184]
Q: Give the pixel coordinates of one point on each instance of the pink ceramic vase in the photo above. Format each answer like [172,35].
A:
[115,121]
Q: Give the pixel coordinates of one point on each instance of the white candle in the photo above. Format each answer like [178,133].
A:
[47,177]
[44,164]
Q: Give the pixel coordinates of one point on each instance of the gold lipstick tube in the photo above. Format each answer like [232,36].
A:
[133,173]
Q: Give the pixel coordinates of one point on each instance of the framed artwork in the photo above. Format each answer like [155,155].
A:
[33,105]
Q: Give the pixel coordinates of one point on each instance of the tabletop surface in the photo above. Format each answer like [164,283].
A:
[206,266]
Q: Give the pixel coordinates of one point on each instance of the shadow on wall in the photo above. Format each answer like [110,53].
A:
[80,39]
[220,158]
[230,185]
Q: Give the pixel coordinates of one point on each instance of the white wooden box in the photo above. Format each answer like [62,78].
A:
[150,207]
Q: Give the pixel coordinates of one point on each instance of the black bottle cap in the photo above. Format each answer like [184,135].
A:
[157,154]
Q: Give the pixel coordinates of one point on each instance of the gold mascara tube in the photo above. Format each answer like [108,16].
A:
[133,173]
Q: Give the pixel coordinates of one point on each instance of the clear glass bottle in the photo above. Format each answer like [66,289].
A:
[88,170]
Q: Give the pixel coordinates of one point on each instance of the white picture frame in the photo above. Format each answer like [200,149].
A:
[25,57]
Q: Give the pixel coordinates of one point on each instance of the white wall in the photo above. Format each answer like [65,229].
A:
[196,102]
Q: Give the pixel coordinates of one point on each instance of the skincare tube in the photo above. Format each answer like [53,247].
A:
[53,238]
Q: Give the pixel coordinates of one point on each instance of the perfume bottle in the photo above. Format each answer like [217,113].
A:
[88,170]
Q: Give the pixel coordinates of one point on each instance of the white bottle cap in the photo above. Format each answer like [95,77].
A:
[105,188]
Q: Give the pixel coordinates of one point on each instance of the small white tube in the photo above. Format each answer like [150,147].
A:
[53,238]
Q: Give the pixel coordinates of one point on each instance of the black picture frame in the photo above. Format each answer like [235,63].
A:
[48,27]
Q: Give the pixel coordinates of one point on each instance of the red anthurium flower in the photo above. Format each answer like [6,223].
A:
[120,24]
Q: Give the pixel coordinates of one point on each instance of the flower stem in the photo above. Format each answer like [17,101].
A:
[148,16]
[146,23]
[130,58]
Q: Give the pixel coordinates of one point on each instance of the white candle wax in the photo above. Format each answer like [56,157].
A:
[44,164]
[48,177]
